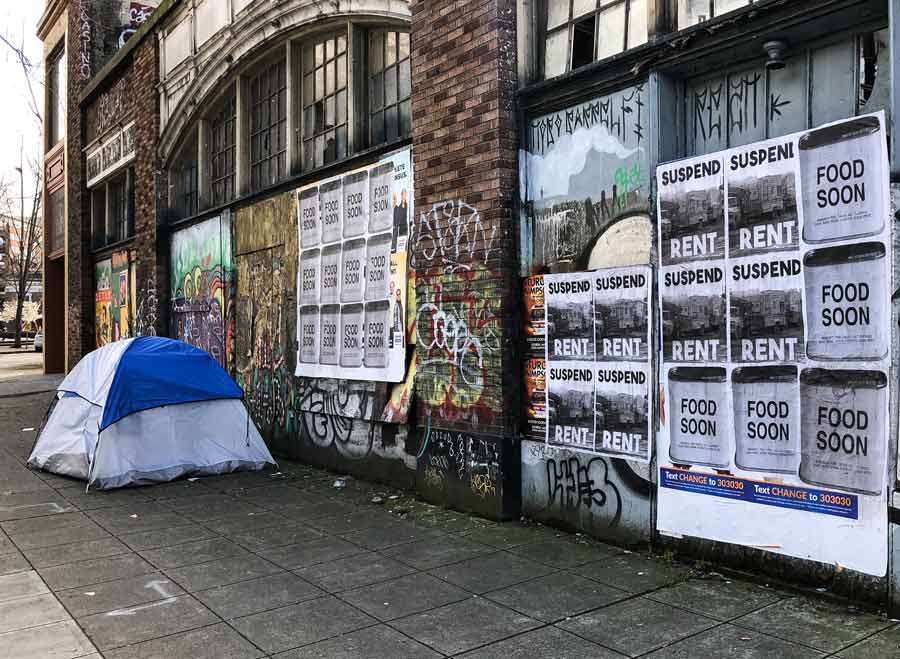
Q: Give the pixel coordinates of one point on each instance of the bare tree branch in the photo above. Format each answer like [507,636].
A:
[28,69]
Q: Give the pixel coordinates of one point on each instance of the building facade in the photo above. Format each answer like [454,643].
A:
[522,138]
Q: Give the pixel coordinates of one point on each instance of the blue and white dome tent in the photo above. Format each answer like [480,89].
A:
[148,410]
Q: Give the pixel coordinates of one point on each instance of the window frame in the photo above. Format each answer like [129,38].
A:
[263,130]
[117,224]
[56,83]
[396,69]
[601,7]
[223,149]
[308,69]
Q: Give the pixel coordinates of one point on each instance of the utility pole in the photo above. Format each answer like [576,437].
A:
[20,288]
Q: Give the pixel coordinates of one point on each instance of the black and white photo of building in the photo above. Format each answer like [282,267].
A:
[692,224]
[570,330]
[693,317]
[625,322]
[762,214]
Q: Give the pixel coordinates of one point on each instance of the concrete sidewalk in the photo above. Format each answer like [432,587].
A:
[288,565]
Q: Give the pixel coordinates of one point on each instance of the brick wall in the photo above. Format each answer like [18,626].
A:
[465,252]
[79,263]
[151,247]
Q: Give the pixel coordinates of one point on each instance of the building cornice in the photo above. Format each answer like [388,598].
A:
[52,12]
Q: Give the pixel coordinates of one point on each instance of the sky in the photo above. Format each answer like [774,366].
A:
[19,18]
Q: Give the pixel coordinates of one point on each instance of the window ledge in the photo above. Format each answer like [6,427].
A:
[112,247]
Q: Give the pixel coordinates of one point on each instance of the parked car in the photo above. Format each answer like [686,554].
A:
[39,342]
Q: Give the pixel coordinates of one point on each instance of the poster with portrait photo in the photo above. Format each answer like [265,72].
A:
[762,198]
[570,404]
[569,301]
[765,297]
[691,210]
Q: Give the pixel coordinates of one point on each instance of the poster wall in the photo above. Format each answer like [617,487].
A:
[774,290]
[596,371]
[351,280]
[120,303]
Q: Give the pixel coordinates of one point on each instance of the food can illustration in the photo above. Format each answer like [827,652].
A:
[329,327]
[378,267]
[310,229]
[843,444]
[309,335]
[698,417]
[309,277]
[842,180]
[330,210]
[330,287]
[766,418]
[353,270]
[351,335]
[377,329]
[847,302]
[356,203]
[381,208]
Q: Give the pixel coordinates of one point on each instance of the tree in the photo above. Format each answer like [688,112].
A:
[23,258]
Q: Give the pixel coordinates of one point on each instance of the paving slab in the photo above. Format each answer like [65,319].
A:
[404,596]
[13,561]
[119,594]
[438,551]
[353,522]
[311,552]
[21,584]
[637,626]
[301,624]
[144,622]
[544,643]
[98,499]
[256,595]
[60,640]
[825,626]
[218,641]
[511,534]
[557,596]
[354,572]
[564,552]
[633,572]
[168,537]
[124,519]
[74,552]
[244,522]
[288,533]
[192,553]
[722,599]
[491,572]
[52,530]
[378,642]
[883,645]
[222,572]
[72,575]
[30,611]
[390,535]
[464,625]
[735,643]
[41,503]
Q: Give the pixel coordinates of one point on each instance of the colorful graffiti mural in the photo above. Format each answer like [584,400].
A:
[103,302]
[583,168]
[202,288]
[459,347]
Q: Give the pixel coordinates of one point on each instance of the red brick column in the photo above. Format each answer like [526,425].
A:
[150,247]
[466,229]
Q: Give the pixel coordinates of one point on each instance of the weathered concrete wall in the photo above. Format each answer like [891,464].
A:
[331,423]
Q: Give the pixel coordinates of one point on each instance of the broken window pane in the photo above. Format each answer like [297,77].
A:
[611,33]
[637,23]
[583,41]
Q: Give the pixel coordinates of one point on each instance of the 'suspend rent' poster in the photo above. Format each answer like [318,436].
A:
[774,289]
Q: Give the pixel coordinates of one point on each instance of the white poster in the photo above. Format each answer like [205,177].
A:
[598,353]
[351,280]
[776,345]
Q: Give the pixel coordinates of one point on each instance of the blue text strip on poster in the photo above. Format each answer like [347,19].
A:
[767,494]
